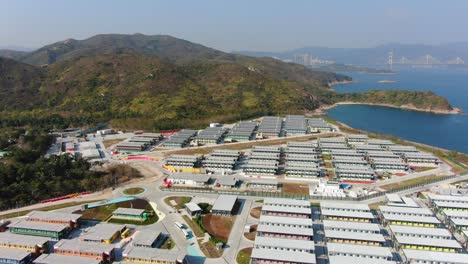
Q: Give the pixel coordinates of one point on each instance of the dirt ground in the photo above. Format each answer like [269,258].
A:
[109,142]
[296,188]
[251,235]
[255,212]
[218,226]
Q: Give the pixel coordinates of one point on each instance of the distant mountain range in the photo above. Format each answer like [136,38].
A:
[402,53]
[139,81]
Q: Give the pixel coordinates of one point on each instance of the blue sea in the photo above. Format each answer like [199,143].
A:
[445,131]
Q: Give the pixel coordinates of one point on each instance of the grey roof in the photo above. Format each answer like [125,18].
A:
[431,242]
[282,255]
[60,259]
[286,202]
[193,207]
[420,155]
[154,254]
[354,236]
[38,226]
[425,231]
[411,218]
[350,214]
[285,220]
[458,205]
[13,254]
[224,203]
[76,245]
[190,176]
[349,260]
[380,142]
[393,197]
[285,243]
[286,209]
[435,256]
[357,136]
[102,232]
[345,206]
[406,210]
[359,250]
[129,211]
[227,180]
[447,198]
[22,240]
[146,237]
[53,216]
[328,224]
[301,231]
[459,222]
[456,214]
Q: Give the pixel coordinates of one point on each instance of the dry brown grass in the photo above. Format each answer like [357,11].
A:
[256,212]
[109,142]
[296,188]
[252,234]
[218,226]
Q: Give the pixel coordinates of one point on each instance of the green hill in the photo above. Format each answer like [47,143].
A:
[158,82]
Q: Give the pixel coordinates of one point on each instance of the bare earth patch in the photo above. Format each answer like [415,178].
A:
[218,226]
[256,212]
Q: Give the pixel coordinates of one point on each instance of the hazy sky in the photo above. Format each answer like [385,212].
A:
[263,25]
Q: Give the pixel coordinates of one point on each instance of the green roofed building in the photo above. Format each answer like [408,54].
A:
[130,214]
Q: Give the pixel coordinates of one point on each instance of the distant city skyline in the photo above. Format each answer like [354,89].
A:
[238,25]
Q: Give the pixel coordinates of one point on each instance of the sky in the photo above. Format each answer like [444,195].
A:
[255,25]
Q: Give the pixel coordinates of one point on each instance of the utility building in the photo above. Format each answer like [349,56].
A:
[181,139]
[67,259]
[33,244]
[224,205]
[346,212]
[210,136]
[318,125]
[70,220]
[54,231]
[74,247]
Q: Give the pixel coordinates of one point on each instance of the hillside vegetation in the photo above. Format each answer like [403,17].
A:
[160,82]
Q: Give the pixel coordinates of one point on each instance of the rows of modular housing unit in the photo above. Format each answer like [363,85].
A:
[219,160]
[269,126]
[139,142]
[31,239]
[352,234]
[284,233]
[418,235]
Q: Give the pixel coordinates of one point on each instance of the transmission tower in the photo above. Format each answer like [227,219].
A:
[390,60]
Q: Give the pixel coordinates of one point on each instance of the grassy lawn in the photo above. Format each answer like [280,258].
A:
[133,191]
[296,188]
[46,208]
[109,142]
[410,182]
[259,201]
[179,200]
[197,231]
[421,169]
[243,257]
[168,244]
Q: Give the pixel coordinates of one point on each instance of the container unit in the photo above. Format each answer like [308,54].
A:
[270,126]
[389,164]
[261,167]
[295,125]
[421,159]
[210,136]
[355,174]
[243,131]
[181,139]
[185,161]
[302,170]
[318,125]
[357,139]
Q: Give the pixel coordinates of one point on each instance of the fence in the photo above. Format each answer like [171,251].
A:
[314,197]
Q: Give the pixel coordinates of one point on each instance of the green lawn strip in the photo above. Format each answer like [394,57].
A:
[133,191]
[179,200]
[168,244]
[197,231]
[243,257]
[411,182]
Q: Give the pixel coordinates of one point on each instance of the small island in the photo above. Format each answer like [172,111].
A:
[387,81]
[423,101]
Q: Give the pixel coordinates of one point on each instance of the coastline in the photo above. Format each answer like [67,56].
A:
[330,84]
[322,109]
